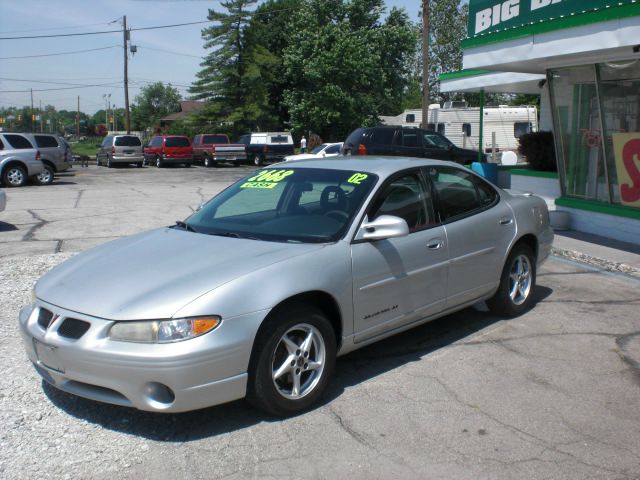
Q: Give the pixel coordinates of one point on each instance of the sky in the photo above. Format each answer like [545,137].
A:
[170,55]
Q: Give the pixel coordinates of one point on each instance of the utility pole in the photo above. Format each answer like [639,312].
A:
[78,119]
[41,117]
[425,63]
[32,119]
[126,77]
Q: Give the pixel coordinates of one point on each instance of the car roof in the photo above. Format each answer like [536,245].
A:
[382,166]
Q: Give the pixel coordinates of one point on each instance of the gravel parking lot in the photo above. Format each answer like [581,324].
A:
[550,395]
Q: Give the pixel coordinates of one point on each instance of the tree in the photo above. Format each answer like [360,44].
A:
[228,72]
[344,67]
[154,102]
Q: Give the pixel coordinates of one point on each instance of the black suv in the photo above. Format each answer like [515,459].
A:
[406,142]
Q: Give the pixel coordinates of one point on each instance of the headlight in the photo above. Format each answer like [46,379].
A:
[163,331]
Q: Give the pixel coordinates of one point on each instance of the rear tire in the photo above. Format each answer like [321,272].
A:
[187,165]
[159,162]
[46,177]
[292,361]
[207,161]
[109,164]
[139,164]
[97,161]
[518,280]
[14,176]
[257,160]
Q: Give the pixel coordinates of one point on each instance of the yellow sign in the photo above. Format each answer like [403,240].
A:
[627,153]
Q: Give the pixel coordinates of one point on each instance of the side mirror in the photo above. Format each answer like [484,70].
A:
[383,227]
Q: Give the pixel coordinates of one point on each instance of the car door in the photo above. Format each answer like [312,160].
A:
[479,230]
[410,141]
[399,280]
[382,141]
[436,146]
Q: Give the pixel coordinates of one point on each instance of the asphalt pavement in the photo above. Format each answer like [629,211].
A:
[552,394]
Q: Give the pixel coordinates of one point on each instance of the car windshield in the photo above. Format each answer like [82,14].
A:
[302,205]
[318,149]
[128,141]
[177,142]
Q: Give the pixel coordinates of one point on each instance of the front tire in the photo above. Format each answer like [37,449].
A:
[207,161]
[518,280]
[159,162]
[46,177]
[293,360]
[14,176]
[257,160]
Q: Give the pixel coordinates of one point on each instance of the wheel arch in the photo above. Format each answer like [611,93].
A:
[321,300]
[530,240]
[50,163]
[11,163]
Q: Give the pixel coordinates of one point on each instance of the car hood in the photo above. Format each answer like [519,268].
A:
[154,274]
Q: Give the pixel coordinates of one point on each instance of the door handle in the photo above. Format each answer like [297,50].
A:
[506,221]
[435,244]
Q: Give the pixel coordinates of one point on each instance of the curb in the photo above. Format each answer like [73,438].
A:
[606,265]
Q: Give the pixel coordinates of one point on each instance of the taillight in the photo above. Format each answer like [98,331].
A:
[264,149]
[362,150]
[113,150]
[37,154]
[213,149]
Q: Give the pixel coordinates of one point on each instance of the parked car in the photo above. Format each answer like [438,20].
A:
[120,149]
[263,146]
[211,149]
[321,151]
[168,149]
[18,160]
[407,142]
[258,291]
[55,154]
[3,200]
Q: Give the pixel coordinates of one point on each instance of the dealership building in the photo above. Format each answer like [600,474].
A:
[583,58]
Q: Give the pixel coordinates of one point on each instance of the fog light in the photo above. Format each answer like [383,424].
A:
[159,393]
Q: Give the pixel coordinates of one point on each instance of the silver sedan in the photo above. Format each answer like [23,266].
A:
[258,292]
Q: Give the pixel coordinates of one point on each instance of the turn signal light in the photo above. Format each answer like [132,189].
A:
[362,150]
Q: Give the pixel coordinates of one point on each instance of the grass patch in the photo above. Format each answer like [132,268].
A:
[86,147]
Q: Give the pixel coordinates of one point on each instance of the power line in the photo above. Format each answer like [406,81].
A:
[59,53]
[201,22]
[113,85]
[55,28]
[169,51]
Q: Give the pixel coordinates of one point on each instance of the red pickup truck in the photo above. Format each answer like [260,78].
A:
[212,149]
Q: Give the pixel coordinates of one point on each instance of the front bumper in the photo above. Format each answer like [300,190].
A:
[175,377]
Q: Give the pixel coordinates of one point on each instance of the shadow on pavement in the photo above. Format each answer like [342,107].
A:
[352,369]
[7,227]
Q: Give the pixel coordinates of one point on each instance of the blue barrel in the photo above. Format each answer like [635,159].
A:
[487,170]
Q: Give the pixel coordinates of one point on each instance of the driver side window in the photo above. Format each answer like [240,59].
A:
[405,197]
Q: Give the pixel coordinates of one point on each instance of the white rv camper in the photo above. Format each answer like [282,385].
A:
[461,124]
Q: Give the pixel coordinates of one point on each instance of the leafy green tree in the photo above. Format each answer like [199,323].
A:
[344,66]
[155,101]
[266,38]
[228,72]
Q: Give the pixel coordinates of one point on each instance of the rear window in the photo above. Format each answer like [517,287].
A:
[383,136]
[177,142]
[44,141]
[18,141]
[127,141]
[279,139]
[356,136]
[215,139]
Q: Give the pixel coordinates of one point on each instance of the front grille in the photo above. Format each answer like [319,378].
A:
[73,328]
[44,317]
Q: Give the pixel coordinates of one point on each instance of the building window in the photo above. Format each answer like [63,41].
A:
[521,128]
[466,129]
[597,126]
[411,118]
